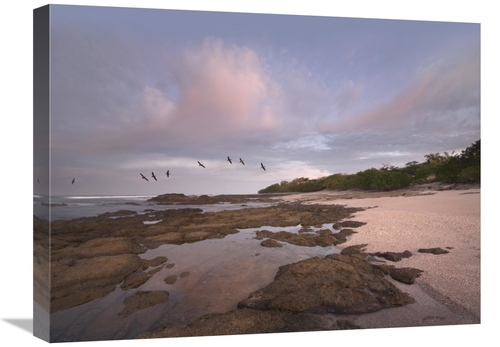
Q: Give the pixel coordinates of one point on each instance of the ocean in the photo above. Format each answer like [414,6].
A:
[76,206]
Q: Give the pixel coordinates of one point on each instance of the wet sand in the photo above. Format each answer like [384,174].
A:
[447,219]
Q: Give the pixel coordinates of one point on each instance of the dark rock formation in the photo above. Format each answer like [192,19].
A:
[135,279]
[181,199]
[322,238]
[75,282]
[436,250]
[405,275]
[305,296]
[230,323]
[90,256]
[157,261]
[271,243]
[348,224]
[316,322]
[355,249]
[343,234]
[171,279]
[337,283]
[393,256]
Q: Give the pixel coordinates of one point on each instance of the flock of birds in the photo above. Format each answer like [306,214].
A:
[199,164]
[168,171]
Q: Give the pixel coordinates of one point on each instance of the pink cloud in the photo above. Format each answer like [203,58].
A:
[436,92]
[223,88]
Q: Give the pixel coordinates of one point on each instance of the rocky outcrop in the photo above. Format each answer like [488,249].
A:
[91,256]
[336,283]
[436,250]
[135,280]
[405,275]
[231,323]
[170,279]
[393,256]
[348,224]
[271,243]
[322,238]
[181,199]
[77,281]
[306,321]
[313,294]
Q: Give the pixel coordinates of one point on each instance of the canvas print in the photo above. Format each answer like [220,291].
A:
[203,173]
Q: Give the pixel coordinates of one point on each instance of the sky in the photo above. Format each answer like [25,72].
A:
[139,91]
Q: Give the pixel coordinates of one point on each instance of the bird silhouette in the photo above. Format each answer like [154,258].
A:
[153,175]
[229,160]
[168,173]
[262,166]
[73,181]
[203,166]
[241,161]
[144,178]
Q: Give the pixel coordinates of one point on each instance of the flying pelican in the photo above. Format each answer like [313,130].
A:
[241,161]
[229,160]
[168,173]
[262,166]
[73,181]
[144,177]
[203,166]
[153,175]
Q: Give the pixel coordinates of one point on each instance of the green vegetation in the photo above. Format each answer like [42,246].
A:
[447,168]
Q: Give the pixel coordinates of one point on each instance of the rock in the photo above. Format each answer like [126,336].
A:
[392,256]
[184,274]
[181,199]
[349,224]
[75,282]
[322,238]
[157,261]
[285,236]
[143,299]
[90,256]
[175,238]
[169,266]
[355,249]
[171,279]
[342,235]
[436,251]
[271,243]
[337,283]
[99,247]
[230,323]
[405,275]
[316,322]
[195,236]
[135,280]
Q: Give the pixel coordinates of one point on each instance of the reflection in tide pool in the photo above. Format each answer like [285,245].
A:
[220,273]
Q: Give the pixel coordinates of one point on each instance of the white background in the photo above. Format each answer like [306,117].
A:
[16,109]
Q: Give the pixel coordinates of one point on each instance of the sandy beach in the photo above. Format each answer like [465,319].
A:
[448,219]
